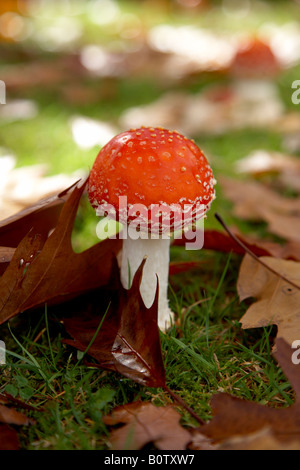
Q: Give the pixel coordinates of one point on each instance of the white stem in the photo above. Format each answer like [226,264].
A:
[157,263]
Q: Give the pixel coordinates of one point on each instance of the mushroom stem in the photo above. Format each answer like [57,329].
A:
[157,252]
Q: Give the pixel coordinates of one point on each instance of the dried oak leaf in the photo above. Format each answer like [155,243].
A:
[255,201]
[278,302]
[263,439]
[6,254]
[8,435]
[51,271]
[8,438]
[11,416]
[128,340]
[252,199]
[177,267]
[145,423]
[282,225]
[262,162]
[234,417]
[42,216]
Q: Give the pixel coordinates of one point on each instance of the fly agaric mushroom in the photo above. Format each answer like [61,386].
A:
[158,181]
[255,59]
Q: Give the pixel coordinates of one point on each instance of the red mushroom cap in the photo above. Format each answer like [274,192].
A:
[152,166]
[255,58]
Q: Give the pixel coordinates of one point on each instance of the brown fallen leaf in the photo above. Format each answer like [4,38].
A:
[285,167]
[285,226]
[264,162]
[177,267]
[199,441]
[277,302]
[6,254]
[145,423]
[234,417]
[21,187]
[291,179]
[43,73]
[9,415]
[8,435]
[128,341]
[255,201]
[8,438]
[252,200]
[51,272]
[261,440]
[42,216]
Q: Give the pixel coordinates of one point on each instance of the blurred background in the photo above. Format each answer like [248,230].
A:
[76,72]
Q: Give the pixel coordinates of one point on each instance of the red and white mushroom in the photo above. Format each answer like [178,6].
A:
[155,180]
[255,58]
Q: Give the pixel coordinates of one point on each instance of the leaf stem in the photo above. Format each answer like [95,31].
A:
[182,403]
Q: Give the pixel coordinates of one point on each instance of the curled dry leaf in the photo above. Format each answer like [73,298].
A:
[235,418]
[177,267]
[6,254]
[255,201]
[128,341]
[145,423]
[42,216]
[50,271]
[11,416]
[265,161]
[277,302]
[261,440]
[285,226]
[262,162]
[8,435]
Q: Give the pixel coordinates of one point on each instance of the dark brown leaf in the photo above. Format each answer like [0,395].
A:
[277,301]
[255,201]
[8,438]
[51,272]
[6,254]
[42,216]
[145,423]
[251,199]
[177,267]
[236,417]
[128,341]
[11,416]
